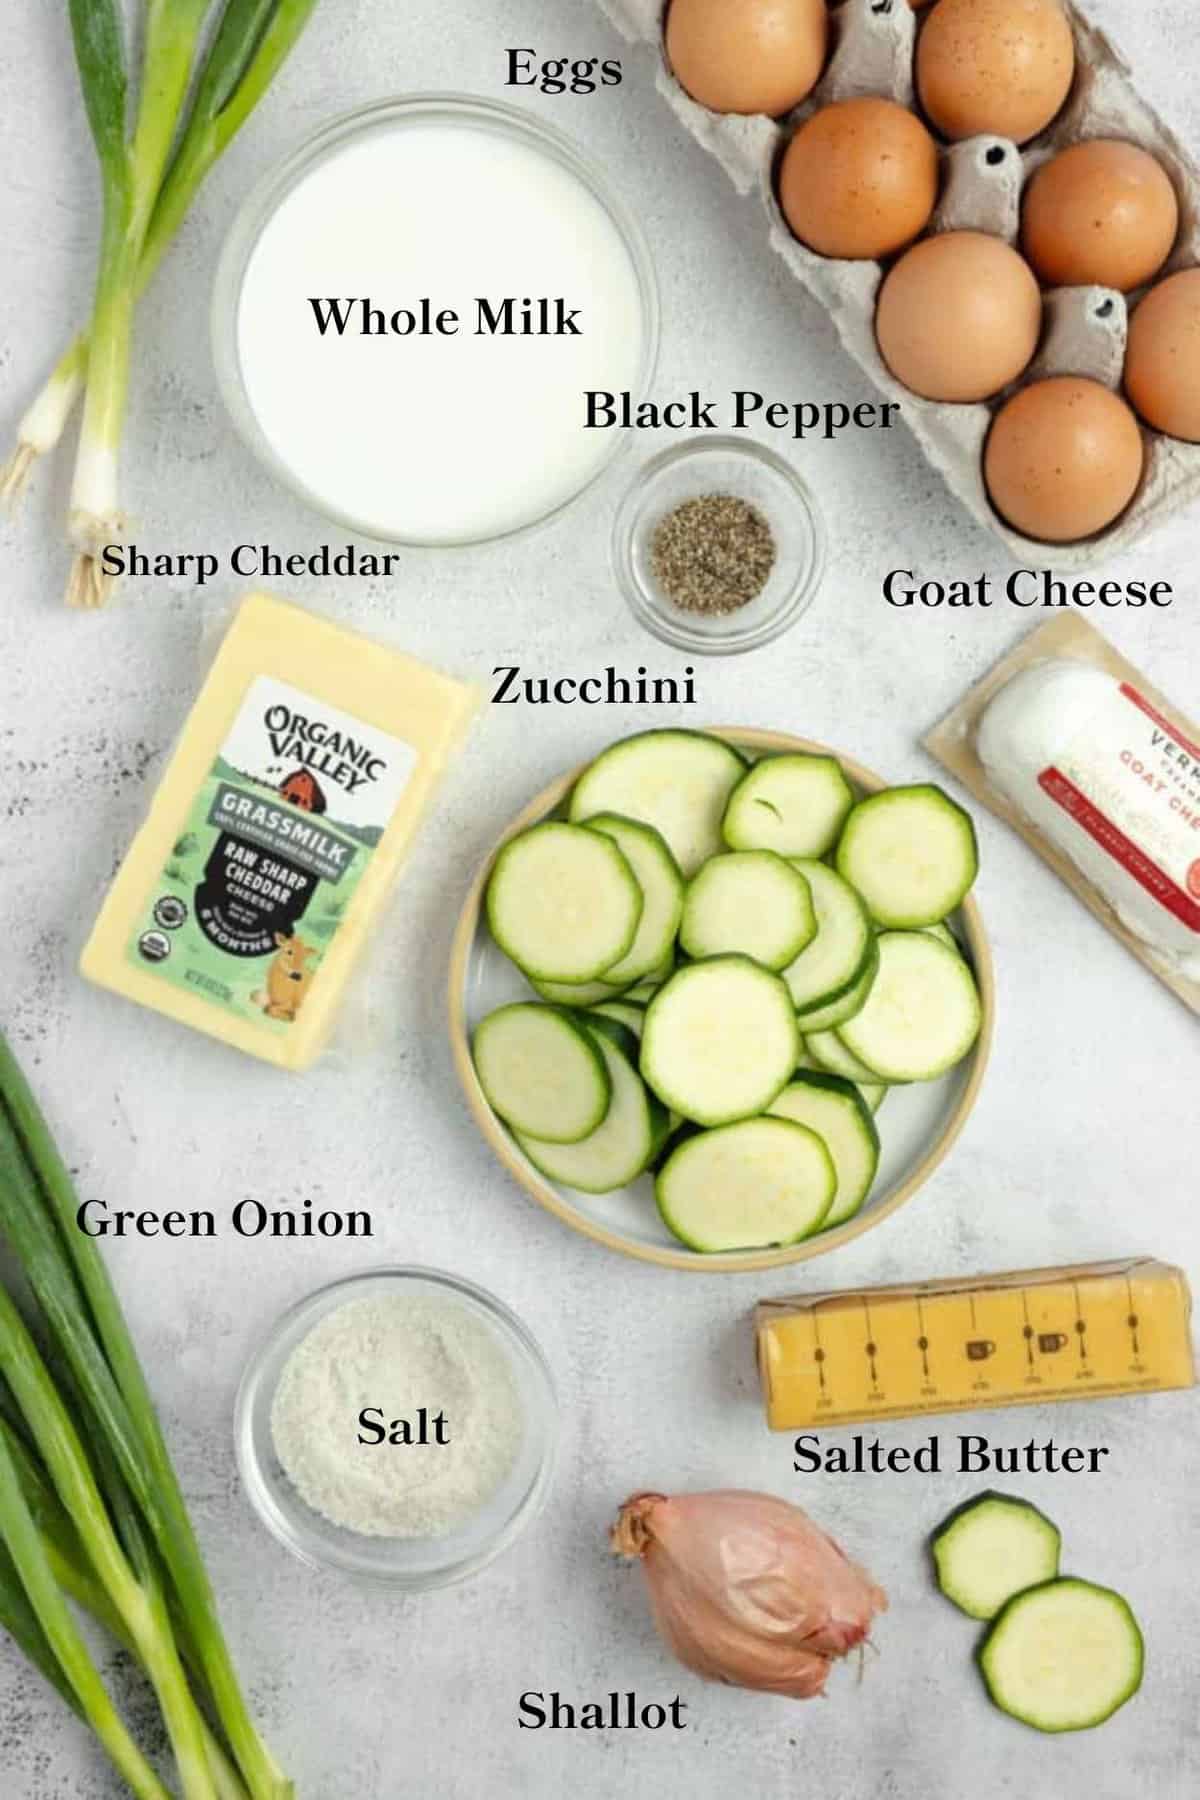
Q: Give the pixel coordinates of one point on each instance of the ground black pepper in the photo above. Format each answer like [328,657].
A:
[712,554]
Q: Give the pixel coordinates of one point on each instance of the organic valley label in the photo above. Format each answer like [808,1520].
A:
[276,841]
[1133,784]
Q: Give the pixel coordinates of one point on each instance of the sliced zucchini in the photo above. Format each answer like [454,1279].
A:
[794,804]
[563,903]
[613,1031]
[720,1040]
[871,1093]
[827,1050]
[836,1111]
[624,1012]
[644,991]
[992,1548]
[576,993]
[911,853]
[922,1015]
[541,1072]
[1064,1656]
[838,954]
[626,1142]
[749,903]
[657,874]
[836,1012]
[942,932]
[677,781]
[759,1182]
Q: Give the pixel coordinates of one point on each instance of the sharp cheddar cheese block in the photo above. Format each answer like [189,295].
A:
[981,1341]
[302,775]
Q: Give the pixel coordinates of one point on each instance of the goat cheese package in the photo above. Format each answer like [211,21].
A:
[299,783]
[1067,741]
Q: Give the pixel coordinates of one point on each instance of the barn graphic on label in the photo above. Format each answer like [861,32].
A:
[302,789]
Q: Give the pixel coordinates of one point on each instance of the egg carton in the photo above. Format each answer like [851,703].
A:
[982,179]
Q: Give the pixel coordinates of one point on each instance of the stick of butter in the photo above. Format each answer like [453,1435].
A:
[987,1340]
[303,772]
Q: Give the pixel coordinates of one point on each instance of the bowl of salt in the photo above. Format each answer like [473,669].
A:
[399,1426]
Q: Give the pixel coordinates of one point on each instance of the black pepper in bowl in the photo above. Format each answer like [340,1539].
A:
[712,554]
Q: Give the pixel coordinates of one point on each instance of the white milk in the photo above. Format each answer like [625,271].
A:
[437,439]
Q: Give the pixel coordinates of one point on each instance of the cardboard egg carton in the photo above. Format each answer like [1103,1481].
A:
[983,177]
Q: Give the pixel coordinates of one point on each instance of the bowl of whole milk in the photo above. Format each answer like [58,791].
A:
[400,1426]
[411,311]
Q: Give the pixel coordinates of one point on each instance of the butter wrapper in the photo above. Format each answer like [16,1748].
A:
[1089,1331]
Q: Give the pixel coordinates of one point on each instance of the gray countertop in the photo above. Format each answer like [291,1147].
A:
[1081,1147]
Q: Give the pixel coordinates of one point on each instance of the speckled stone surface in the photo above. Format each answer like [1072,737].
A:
[1082,1145]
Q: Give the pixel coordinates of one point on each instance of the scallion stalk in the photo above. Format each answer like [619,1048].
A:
[140,1604]
[62,1638]
[131,175]
[67,1274]
[73,1573]
[252,40]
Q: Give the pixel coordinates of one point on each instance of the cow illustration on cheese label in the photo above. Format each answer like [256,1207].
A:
[277,839]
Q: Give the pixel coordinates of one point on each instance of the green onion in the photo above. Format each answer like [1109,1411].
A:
[107,1392]
[141,1605]
[252,40]
[73,1573]
[57,1631]
[131,174]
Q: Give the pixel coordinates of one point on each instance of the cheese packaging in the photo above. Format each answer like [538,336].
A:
[1067,742]
[302,776]
[1036,1335]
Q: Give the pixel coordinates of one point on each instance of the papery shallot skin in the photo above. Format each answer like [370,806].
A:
[745,1589]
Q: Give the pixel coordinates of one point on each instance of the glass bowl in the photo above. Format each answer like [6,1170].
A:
[409,1563]
[269,194]
[721,465]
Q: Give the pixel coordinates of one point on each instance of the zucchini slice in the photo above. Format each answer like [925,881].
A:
[922,1015]
[911,853]
[838,954]
[720,1040]
[625,1012]
[795,804]
[541,1072]
[836,1012]
[992,1548]
[1064,1656]
[657,874]
[576,993]
[643,992]
[836,1111]
[563,903]
[749,903]
[827,1051]
[677,781]
[871,1091]
[627,1140]
[743,1186]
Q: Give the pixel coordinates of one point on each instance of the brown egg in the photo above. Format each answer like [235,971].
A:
[1102,212]
[859,179]
[1002,66]
[1063,459]
[1162,361]
[958,316]
[748,56]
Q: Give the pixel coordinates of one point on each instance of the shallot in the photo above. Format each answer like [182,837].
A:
[745,1588]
